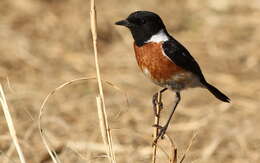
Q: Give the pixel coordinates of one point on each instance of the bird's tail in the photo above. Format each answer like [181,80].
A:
[219,95]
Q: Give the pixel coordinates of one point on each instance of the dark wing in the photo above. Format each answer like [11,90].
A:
[181,57]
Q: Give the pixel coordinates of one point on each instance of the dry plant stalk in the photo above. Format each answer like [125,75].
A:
[189,146]
[173,156]
[46,142]
[102,123]
[100,99]
[51,152]
[156,123]
[45,139]
[11,125]
[174,152]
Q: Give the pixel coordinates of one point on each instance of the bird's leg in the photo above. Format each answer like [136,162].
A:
[156,102]
[164,128]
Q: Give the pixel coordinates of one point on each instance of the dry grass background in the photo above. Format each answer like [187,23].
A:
[45,43]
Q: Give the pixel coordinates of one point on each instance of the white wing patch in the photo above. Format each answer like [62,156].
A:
[161,36]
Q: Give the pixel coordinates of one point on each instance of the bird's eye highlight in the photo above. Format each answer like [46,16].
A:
[142,21]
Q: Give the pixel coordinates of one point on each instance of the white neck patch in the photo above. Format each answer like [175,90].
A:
[158,37]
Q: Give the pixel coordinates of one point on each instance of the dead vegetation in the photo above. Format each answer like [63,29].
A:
[45,43]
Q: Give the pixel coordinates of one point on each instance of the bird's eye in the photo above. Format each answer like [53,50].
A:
[142,21]
[139,21]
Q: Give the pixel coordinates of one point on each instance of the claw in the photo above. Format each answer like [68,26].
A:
[160,105]
[157,126]
[161,133]
[154,100]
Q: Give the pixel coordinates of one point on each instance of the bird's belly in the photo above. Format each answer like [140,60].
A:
[161,70]
[177,81]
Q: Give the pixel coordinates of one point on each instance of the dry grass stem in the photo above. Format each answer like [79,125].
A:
[11,125]
[173,156]
[93,23]
[44,138]
[11,148]
[52,152]
[189,146]
[156,129]
[174,153]
[100,98]
[41,50]
[163,151]
[103,126]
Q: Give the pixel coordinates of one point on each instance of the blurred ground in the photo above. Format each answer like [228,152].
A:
[45,43]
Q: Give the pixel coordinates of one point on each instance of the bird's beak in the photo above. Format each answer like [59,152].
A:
[125,23]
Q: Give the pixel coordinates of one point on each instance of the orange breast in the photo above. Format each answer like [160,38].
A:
[154,63]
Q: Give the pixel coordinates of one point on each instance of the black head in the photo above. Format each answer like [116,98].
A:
[143,25]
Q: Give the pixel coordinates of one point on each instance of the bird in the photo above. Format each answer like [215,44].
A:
[164,60]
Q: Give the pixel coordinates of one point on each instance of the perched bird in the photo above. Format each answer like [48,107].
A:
[163,59]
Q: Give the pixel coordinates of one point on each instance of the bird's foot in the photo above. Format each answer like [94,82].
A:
[161,132]
[156,103]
